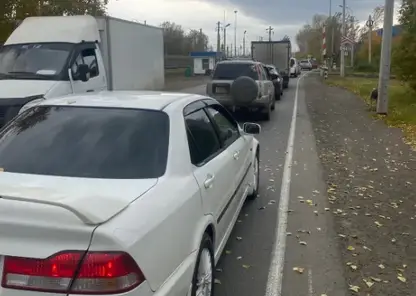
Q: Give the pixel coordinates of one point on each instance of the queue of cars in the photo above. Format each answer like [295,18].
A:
[131,193]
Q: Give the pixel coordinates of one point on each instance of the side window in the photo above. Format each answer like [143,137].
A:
[267,72]
[202,138]
[227,128]
[263,73]
[88,57]
[78,61]
[292,62]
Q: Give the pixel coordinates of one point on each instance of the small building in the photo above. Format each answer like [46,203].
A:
[204,61]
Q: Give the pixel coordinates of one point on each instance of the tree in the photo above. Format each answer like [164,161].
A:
[404,58]
[177,42]
[12,11]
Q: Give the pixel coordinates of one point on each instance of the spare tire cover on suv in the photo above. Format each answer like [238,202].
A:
[244,90]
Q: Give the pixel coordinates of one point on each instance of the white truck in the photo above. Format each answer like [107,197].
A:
[275,53]
[47,57]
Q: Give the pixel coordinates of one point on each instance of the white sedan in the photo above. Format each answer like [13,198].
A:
[121,193]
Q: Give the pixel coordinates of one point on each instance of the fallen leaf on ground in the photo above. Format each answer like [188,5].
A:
[401,278]
[381,266]
[355,289]
[239,258]
[302,243]
[299,269]
[376,279]
[217,281]
[246,266]
[369,283]
[378,223]
[239,238]
[228,252]
[350,248]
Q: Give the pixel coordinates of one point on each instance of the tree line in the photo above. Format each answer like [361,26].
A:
[309,37]
[309,40]
[176,40]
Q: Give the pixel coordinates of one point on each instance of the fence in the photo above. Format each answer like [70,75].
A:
[177,62]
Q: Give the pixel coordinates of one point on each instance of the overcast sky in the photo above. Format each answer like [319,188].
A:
[285,16]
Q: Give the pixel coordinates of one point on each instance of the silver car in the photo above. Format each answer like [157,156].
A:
[243,84]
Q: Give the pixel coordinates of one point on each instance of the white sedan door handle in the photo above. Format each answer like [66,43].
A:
[208,181]
[236,155]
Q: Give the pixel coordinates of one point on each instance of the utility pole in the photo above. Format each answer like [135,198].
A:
[342,70]
[244,43]
[40,4]
[385,60]
[353,39]
[370,24]
[331,22]
[235,33]
[225,37]
[270,29]
[218,36]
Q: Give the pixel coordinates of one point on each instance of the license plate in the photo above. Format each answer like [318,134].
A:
[221,90]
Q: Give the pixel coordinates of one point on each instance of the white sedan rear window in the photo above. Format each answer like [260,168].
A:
[71,141]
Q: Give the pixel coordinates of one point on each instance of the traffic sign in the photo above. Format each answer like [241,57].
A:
[346,40]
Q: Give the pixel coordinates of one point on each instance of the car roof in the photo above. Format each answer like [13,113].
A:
[238,62]
[154,100]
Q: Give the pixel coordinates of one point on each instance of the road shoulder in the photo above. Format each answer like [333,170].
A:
[370,176]
[311,243]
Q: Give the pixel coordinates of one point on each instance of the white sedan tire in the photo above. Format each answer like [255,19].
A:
[203,277]
[256,177]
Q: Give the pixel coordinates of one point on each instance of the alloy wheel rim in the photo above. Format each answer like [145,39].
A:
[204,275]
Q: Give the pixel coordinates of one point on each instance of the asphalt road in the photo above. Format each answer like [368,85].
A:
[289,225]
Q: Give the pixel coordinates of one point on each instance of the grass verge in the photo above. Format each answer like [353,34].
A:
[402,102]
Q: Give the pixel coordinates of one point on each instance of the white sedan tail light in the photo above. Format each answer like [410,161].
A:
[73,272]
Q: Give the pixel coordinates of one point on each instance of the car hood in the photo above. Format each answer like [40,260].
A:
[94,201]
[13,88]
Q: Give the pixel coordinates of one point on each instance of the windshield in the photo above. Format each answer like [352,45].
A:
[304,61]
[231,71]
[33,61]
[86,142]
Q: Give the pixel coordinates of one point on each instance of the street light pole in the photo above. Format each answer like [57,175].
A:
[385,60]
[235,33]
[225,38]
[342,71]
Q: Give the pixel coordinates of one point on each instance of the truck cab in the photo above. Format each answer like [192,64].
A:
[38,62]
[48,57]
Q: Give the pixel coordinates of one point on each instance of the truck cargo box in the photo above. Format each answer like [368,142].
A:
[133,54]
[272,52]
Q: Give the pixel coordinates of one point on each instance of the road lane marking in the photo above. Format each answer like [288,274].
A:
[310,282]
[275,277]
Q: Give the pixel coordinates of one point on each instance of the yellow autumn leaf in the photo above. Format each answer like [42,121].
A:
[401,278]
[350,248]
[299,269]
[355,289]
